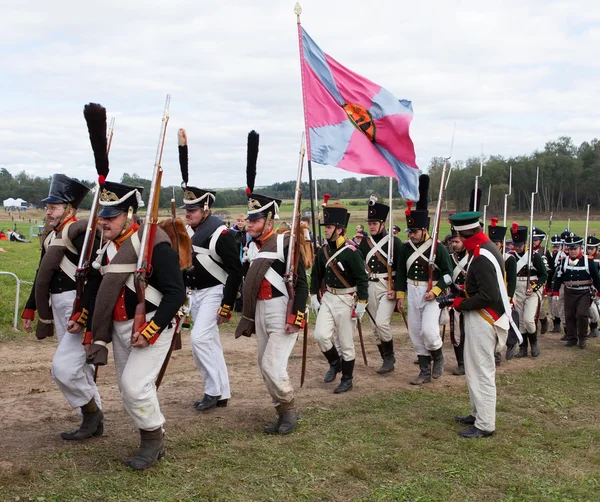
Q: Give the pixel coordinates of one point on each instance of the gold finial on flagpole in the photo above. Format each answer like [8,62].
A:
[298,11]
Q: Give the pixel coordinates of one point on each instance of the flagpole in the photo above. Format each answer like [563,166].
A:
[298,11]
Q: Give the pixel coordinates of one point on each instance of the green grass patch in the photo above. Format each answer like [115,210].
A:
[400,446]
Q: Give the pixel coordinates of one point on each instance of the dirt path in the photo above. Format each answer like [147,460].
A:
[33,411]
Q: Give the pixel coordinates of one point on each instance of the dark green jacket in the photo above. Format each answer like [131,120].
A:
[419,271]
[375,266]
[350,264]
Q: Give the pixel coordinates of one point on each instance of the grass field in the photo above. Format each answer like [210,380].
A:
[379,446]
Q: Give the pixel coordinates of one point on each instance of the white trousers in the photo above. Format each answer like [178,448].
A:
[137,369]
[335,316]
[480,368]
[381,309]
[557,307]
[423,321]
[74,377]
[206,343]
[594,314]
[527,306]
[274,349]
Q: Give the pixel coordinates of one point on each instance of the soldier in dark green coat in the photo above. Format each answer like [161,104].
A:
[341,268]
[382,292]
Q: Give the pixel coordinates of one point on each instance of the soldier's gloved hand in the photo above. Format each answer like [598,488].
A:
[360,310]
[445,301]
[314,304]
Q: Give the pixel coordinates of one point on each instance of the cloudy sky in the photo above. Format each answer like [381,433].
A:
[512,74]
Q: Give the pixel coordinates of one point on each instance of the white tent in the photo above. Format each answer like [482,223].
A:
[10,202]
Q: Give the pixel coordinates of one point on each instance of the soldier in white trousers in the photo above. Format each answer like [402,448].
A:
[213,281]
[72,374]
[138,355]
[485,307]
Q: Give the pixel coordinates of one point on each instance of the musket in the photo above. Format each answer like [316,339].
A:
[144,262]
[95,117]
[485,206]
[390,253]
[506,205]
[291,268]
[587,228]
[548,233]
[438,214]
[530,250]
[477,178]
[304,348]
[318,216]
[362,342]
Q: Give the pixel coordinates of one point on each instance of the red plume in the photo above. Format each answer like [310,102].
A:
[409,204]
[494,222]
[326,198]
[515,226]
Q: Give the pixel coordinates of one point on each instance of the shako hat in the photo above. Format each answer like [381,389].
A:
[518,234]
[538,233]
[496,233]
[573,241]
[377,211]
[418,219]
[65,190]
[334,213]
[117,198]
[556,240]
[592,241]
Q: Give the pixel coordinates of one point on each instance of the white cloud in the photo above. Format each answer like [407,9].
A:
[512,74]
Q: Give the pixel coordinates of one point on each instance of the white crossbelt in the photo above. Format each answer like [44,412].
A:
[377,246]
[460,266]
[153,295]
[271,275]
[208,258]
[418,252]
[334,255]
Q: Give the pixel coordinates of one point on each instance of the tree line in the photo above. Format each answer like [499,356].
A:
[569,180]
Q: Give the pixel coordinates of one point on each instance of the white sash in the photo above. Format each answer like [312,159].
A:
[460,266]
[334,255]
[271,275]
[419,252]
[209,258]
[153,295]
[503,295]
[377,246]
[522,261]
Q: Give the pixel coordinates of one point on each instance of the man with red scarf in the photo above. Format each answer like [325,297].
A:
[484,307]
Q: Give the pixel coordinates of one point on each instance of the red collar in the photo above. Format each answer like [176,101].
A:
[122,238]
[63,224]
[477,240]
[261,240]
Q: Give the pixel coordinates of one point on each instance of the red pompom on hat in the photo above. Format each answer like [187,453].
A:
[101,179]
[409,204]
[515,226]
[326,198]
[248,191]
[494,222]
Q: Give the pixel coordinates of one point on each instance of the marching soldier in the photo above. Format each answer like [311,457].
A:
[138,356]
[382,293]
[485,313]
[538,238]
[55,284]
[591,249]
[460,258]
[578,274]
[557,308]
[528,293]
[269,309]
[496,234]
[214,281]
[341,266]
[412,279]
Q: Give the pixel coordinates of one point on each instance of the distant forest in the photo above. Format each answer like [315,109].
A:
[569,180]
